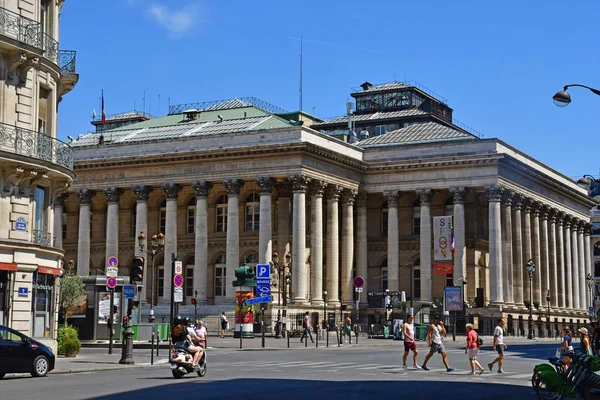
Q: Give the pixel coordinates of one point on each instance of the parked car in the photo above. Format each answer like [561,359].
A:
[20,353]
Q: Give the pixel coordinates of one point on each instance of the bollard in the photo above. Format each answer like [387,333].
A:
[318,332]
[357,333]
[337,336]
[152,348]
[306,338]
[287,334]
[327,331]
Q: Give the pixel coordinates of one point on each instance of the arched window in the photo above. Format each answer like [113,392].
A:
[191,217]
[188,289]
[597,249]
[162,217]
[597,269]
[251,259]
[64,222]
[252,212]
[220,273]
[416,288]
[384,219]
[384,275]
[221,217]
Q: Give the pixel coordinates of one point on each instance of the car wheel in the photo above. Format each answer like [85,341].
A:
[40,366]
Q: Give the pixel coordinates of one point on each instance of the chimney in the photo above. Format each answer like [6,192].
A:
[366,86]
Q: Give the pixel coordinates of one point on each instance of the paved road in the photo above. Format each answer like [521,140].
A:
[335,373]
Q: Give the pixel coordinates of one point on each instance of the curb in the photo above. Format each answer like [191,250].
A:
[98,369]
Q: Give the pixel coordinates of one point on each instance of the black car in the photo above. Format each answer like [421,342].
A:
[19,353]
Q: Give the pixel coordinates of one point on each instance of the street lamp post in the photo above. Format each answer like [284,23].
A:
[530,266]
[548,318]
[563,99]
[590,284]
[157,244]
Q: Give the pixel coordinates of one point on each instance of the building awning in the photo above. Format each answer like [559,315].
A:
[48,270]
[8,266]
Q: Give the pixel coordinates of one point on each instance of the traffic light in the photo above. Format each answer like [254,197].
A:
[137,270]
[125,321]
[245,276]
[193,301]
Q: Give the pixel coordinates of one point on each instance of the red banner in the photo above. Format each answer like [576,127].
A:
[442,267]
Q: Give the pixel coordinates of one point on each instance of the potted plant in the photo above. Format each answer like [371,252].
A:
[69,344]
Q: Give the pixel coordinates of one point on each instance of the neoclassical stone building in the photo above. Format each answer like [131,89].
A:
[35,167]
[231,182]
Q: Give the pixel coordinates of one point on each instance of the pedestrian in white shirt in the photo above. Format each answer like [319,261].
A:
[499,346]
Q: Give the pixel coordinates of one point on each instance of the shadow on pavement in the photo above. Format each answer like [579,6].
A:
[535,350]
[292,389]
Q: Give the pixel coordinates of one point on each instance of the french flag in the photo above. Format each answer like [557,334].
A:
[452,246]
[103,111]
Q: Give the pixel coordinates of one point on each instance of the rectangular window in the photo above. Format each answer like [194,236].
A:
[416,221]
[191,217]
[219,281]
[189,281]
[64,226]
[41,209]
[221,218]
[384,222]
[384,278]
[161,281]
[44,115]
[42,305]
[417,283]
[162,223]
[380,130]
[252,217]
[449,280]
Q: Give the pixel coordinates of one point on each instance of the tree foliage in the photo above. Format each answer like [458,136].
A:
[72,289]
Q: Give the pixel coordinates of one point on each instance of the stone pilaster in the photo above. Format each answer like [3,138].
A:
[425,196]
[459,195]
[59,202]
[518,278]
[317,188]
[171,191]
[265,241]
[299,269]
[537,253]
[141,225]
[495,244]
[568,263]
[113,195]
[393,198]
[84,240]
[233,186]
[560,260]
[581,251]
[544,253]
[348,196]
[575,263]
[527,245]
[332,194]
[553,283]
[361,243]
[202,189]
[507,246]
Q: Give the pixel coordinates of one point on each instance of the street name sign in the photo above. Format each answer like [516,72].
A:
[129,291]
[258,300]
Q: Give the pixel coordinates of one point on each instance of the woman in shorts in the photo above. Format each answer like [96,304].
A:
[473,349]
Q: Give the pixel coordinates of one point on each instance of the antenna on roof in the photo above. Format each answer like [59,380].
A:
[301,42]
[158,113]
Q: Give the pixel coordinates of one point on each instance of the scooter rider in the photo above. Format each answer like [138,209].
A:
[182,340]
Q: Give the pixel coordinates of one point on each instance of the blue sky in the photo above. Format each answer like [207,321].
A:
[497,63]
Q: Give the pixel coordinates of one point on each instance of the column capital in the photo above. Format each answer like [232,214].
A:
[544,211]
[494,193]
[425,195]
[527,208]
[508,197]
[317,187]
[560,217]
[265,184]
[202,188]
[568,220]
[332,192]
[459,194]
[393,197]
[581,226]
[142,192]
[233,186]
[85,196]
[518,201]
[552,215]
[299,182]
[588,229]
[60,200]
[171,190]
[113,194]
[361,199]
[536,207]
[348,196]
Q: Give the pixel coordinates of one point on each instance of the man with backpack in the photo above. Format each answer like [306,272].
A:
[307,329]
[474,342]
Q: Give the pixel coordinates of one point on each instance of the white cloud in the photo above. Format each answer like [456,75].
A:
[177,22]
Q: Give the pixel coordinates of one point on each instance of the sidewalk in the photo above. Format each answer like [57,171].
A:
[89,360]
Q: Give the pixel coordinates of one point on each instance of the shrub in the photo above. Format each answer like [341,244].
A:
[68,341]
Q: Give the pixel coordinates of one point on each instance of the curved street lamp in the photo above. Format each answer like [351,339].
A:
[562,98]
[590,284]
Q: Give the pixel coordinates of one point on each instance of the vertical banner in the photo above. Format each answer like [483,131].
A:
[442,245]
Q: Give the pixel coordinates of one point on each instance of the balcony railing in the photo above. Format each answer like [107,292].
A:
[33,144]
[42,238]
[28,31]
[66,61]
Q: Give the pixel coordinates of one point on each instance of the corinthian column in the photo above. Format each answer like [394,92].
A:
[348,197]
[425,196]
[113,195]
[507,249]
[265,244]
[232,258]
[495,244]
[361,242]
[537,254]
[171,191]
[84,239]
[299,270]
[317,187]
[545,256]
[552,253]
[568,264]
[59,203]
[332,193]
[141,225]
[560,258]
[581,251]
[393,198]
[201,240]
[527,251]
[458,223]
[517,251]
[575,263]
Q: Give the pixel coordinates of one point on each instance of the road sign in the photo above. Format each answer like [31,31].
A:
[263,280]
[359,282]
[358,289]
[178,268]
[178,280]
[129,291]
[591,309]
[178,295]
[112,272]
[112,261]
[258,300]
[111,283]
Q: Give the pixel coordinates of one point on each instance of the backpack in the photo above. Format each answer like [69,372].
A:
[479,341]
[304,322]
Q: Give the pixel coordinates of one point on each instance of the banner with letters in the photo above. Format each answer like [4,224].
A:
[442,245]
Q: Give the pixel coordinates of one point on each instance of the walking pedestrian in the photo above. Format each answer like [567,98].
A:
[201,333]
[434,340]
[307,328]
[347,328]
[499,346]
[224,324]
[408,329]
[565,346]
[586,343]
[473,349]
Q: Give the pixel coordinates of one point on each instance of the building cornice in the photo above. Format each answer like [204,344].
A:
[435,163]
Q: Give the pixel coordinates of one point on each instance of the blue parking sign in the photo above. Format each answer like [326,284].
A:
[263,280]
[129,291]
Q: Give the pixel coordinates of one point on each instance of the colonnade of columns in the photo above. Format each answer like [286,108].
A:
[520,229]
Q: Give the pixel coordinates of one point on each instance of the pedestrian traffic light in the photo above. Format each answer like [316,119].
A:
[193,301]
[137,270]
[245,276]
[125,321]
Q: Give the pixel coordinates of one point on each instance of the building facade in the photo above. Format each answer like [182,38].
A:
[231,182]
[36,168]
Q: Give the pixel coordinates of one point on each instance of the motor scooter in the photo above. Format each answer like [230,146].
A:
[181,363]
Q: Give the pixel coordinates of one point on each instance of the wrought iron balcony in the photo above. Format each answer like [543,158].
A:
[66,61]
[42,238]
[33,144]
[28,31]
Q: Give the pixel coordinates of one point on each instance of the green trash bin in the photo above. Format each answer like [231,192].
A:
[422,331]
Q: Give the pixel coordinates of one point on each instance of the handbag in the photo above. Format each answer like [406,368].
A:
[558,353]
